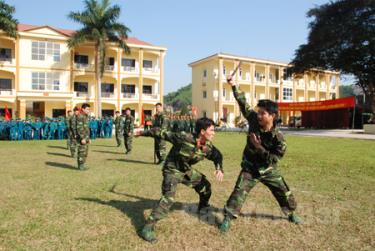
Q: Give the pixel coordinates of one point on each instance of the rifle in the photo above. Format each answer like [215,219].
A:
[235,70]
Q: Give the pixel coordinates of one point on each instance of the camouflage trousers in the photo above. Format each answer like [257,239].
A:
[82,153]
[72,145]
[160,148]
[247,180]
[118,137]
[128,142]
[171,178]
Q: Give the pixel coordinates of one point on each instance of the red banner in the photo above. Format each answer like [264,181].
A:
[332,104]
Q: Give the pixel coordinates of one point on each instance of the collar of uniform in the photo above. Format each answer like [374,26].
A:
[273,131]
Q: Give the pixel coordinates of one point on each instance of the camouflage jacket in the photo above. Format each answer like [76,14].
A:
[161,121]
[119,123]
[128,124]
[185,152]
[273,144]
[72,124]
[82,130]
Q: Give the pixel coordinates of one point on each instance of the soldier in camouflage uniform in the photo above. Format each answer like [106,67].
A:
[71,125]
[187,150]
[68,125]
[264,148]
[160,121]
[119,128]
[128,130]
[82,132]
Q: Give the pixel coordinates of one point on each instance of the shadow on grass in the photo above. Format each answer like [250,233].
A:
[263,216]
[98,151]
[59,154]
[103,146]
[134,161]
[58,147]
[134,209]
[61,165]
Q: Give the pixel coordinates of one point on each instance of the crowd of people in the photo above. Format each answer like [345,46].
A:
[50,128]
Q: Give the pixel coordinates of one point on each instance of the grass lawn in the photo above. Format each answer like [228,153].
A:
[47,204]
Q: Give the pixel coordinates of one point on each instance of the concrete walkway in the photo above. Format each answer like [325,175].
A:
[337,133]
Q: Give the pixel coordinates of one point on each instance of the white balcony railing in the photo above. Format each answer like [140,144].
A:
[82,94]
[150,96]
[109,67]
[130,69]
[108,95]
[129,95]
[228,98]
[81,66]
[6,92]
[151,70]
[5,59]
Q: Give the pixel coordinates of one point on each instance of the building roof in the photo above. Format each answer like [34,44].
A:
[240,58]
[249,59]
[69,33]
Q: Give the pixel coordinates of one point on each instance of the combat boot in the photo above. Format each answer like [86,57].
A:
[293,218]
[225,225]
[82,167]
[148,233]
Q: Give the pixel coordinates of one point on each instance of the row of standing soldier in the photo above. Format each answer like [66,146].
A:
[50,129]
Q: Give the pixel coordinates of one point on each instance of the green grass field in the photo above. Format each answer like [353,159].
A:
[47,204]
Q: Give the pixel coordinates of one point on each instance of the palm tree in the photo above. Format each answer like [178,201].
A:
[7,23]
[100,26]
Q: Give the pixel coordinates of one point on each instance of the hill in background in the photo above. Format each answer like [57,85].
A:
[180,99]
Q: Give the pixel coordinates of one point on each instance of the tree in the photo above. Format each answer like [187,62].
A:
[100,26]
[7,23]
[342,38]
[346,91]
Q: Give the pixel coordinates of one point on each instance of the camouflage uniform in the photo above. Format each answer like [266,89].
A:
[259,165]
[71,125]
[82,131]
[178,169]
[119,129]
[128,132]
[160,147]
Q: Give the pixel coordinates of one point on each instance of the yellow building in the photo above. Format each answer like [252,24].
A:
[41,76]
[259,79]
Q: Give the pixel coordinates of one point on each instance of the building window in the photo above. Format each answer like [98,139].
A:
[41,49]
[147,89]
[240,72]
[81,87]
[147,64]
[204,94]
[45,81]
[108,88]
[287,74]
[5,84]
[127,62]
[204,114]
[81,59]
[224,92]
[110,61]
[5,54]
[287,94]
[224,70]
[128,89]
[204,73]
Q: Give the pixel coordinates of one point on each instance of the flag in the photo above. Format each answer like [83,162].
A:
[142,117]
[8,116]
